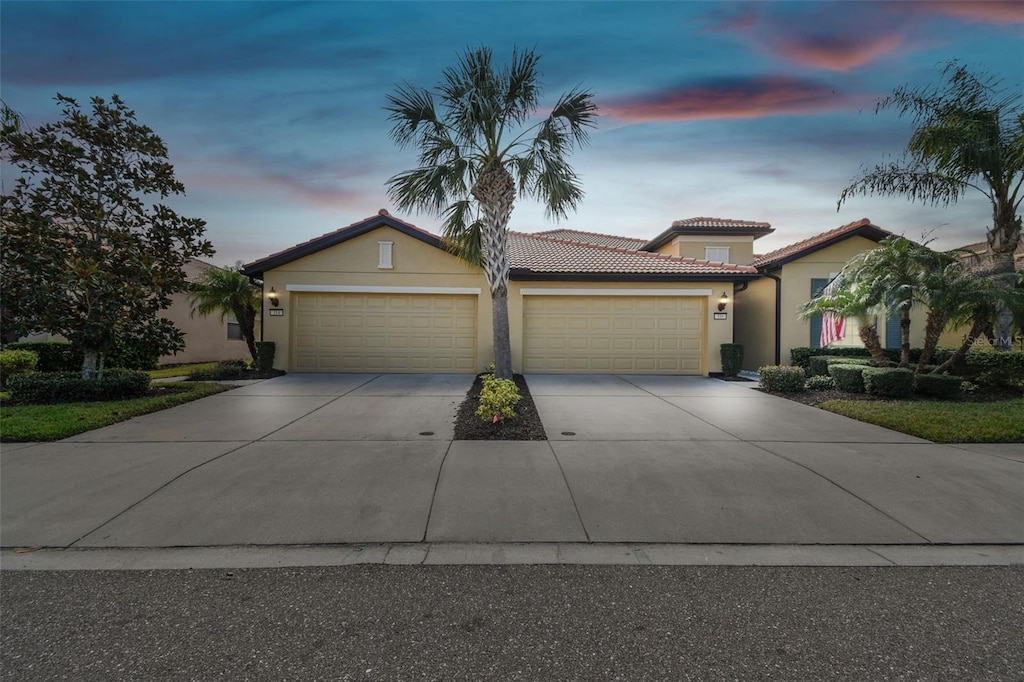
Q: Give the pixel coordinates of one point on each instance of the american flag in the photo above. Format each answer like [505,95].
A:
[833,328]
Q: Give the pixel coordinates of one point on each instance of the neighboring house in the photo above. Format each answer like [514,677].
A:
[767,323]
[382,295]
[206,338]
[955,336]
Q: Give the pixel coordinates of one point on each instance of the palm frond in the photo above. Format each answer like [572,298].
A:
[912,181]
[462,232]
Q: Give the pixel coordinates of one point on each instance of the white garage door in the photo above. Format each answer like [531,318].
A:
[383,333]
[621,334]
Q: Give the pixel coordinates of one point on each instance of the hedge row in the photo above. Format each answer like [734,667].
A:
[782,379]
[61,356]
[819,364]
[888,382]
[69,387]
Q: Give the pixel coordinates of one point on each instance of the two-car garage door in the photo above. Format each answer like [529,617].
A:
[621,334]
[383,332]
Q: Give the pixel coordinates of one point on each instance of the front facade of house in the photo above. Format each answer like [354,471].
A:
[382,295]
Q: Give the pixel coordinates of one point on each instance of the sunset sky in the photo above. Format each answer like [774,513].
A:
[273,111]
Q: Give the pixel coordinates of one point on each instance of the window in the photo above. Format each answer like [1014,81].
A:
[385,249]
[716,254]
[234,330]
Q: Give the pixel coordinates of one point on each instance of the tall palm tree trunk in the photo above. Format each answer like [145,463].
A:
[933,329]
[869,337]
[905,337]
[1002,242]
[496,192]
[978,327]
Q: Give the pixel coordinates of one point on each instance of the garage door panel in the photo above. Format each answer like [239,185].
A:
[627,334]
[354,332]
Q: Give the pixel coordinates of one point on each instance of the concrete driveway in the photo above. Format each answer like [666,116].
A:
[347,458]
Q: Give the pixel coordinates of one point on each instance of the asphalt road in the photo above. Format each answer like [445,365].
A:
[515,623]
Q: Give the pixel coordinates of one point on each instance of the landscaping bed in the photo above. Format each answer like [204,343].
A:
[526,425]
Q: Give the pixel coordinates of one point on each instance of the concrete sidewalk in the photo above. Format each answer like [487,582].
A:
[327,460]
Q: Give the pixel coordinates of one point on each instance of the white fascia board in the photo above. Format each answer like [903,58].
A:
[358,289]
[615,292]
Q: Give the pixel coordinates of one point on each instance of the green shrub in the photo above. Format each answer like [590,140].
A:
[848,377]
[265,351]
[889,382]
[732,358]
[938,385]
[801,355]
[498,399]
[54,356]
[819,364]
[820,383]
[994,368]
[226,369]
[16,362]
[782,379]
[70,387]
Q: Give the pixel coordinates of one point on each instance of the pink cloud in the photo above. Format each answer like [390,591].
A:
[834,53]
[982,11]
[729,99]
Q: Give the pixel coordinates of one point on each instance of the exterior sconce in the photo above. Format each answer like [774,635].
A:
[274,300]
[723,301]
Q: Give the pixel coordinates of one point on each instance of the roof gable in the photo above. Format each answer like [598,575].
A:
[787,254]
[382,219]
[711,227]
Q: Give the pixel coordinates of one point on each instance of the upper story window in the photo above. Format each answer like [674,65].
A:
[716,254]
[385,250]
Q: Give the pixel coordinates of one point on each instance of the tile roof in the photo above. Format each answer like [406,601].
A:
[719,223]
[819,241]
[981,248]
[540,254]
[611,240]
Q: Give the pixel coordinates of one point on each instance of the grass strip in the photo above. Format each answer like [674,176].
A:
[941,422]
[40,423]
[181,370]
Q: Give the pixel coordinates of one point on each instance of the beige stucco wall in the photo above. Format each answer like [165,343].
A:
[354,263]
[416,264]
[755,323]
[741,247]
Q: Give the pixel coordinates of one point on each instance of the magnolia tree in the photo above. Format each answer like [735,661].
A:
[85,255]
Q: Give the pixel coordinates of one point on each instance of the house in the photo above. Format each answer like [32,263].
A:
[767,323]
[206,338]
[382,295]
[954,336]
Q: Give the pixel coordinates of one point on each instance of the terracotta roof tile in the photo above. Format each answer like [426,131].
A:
[703,223]
[817,241]
[614,241]
[543,254]
[981,248]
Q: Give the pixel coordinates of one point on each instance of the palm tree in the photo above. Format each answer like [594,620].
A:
[479,147]
[847,298]
[889,277]
[969,136]
[228,292]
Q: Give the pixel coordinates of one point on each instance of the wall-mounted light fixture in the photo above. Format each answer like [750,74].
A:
[274,300]
[723,301]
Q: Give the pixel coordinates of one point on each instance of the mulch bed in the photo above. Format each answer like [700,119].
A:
[526,425]
[244,375]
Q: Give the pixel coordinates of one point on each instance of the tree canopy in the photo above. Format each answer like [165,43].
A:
[84,256]
[480,146]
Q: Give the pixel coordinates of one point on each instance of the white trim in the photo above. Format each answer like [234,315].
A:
[615,292]
[356,289]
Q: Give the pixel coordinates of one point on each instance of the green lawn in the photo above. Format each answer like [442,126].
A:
[942,422]
[23,423]
[180,370]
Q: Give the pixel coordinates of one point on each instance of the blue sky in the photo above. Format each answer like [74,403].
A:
[273,111]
